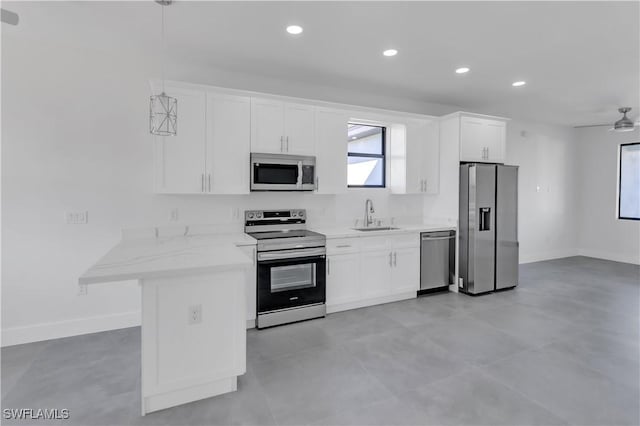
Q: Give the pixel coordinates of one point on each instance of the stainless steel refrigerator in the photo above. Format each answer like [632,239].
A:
[488,236]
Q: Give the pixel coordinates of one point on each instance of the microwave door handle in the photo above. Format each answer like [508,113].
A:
[299,182]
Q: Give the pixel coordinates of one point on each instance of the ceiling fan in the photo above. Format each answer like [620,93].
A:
[625,124]
[9,17]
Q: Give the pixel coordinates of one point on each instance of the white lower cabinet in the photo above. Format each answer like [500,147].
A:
[375,270]
[343,278]
[406,270]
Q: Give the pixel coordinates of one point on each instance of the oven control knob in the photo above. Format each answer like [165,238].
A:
[300,213]
[250,215]
[258,215]
[294,214]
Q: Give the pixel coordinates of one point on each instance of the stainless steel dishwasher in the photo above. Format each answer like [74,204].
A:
[437,260]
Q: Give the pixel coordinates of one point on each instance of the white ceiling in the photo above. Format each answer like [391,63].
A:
[581,60]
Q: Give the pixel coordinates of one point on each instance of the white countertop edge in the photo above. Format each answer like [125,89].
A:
[169,273]
[332,233]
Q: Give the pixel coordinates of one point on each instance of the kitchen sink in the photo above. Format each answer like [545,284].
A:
[376,228]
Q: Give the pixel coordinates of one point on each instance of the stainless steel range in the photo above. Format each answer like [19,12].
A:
[291,279]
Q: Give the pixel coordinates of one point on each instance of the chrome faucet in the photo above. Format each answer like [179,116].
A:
[368,213]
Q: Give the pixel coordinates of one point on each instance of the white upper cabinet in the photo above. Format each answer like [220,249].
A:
[228,143]
[482,139]
[331,151]
[180,159]
[299,124]
[210,153]
[267,125]
[279,127]
[415,157]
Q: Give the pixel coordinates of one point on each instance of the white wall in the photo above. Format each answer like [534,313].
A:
[75,138]
[546,189]
[601,234]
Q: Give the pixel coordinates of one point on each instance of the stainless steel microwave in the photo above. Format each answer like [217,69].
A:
[282,172]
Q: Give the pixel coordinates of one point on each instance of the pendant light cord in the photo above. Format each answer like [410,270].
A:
[163,48]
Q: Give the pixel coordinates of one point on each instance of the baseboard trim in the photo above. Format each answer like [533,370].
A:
[616,257]
[55,330]
[539,257]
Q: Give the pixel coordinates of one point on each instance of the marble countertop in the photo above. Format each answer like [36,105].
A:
[346,232]
[140,258]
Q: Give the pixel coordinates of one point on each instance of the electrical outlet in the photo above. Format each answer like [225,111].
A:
[174,215]
[77,218]
[195,314]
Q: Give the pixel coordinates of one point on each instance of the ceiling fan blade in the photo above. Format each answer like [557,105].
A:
[9,17]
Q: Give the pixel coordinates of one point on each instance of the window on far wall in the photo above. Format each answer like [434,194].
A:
[629,182]
[365,162]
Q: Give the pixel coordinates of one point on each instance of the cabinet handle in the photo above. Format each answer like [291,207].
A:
[317,183]
[395,258]
[209,181]
[328,266]
[287,139]
[425,185]
[390,259]
[487,153]
[281,143]
[343,246]
[202,183]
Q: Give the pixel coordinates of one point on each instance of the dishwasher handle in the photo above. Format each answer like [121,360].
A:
[428,238]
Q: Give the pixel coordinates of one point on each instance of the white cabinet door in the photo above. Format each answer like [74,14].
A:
[180,159]
[473,139]
[331,151]
[431,158]
[375,267]
[343,279]
[228,143]
[299,123]
[496,134]
[267,125]
[414,152]
[406,270]
[482,139]
[250,283]
[415,157]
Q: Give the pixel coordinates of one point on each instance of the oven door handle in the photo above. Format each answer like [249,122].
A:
[291,254]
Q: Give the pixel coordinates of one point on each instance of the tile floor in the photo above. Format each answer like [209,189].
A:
[562,348]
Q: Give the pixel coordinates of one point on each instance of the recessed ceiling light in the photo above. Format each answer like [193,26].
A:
[294,29]
[390,52]
[462,70]
[518,83]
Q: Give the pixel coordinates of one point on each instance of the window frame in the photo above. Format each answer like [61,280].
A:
[382,156]
[620,181]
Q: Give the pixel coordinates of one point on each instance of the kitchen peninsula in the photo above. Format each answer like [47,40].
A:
[193,311]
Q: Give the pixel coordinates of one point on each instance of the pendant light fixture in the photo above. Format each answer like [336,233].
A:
[625,124]
[163,109]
